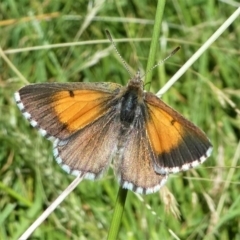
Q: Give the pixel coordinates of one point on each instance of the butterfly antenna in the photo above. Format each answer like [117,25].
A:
[115,48]
[162,61]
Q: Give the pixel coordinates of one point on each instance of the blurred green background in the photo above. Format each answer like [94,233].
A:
[199,204]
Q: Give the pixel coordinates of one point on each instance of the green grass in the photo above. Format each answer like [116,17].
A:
[207,198]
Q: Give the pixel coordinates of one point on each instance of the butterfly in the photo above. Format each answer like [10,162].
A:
[93,124]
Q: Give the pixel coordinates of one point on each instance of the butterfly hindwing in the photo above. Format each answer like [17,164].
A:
[89,151]
[133,162]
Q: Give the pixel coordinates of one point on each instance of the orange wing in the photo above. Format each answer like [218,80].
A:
[60,109]
[177,143]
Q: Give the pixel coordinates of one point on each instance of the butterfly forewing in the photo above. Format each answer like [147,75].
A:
[177,143]
[60,109]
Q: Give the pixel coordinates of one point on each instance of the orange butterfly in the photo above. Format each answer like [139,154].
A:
[93,123]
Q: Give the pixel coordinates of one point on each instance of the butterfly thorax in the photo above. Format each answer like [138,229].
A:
[132,98]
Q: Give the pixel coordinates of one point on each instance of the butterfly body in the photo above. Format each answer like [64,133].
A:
[92,124]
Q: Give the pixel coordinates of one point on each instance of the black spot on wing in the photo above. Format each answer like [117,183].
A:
[71,93]
[173,121]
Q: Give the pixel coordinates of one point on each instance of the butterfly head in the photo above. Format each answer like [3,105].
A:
[136,84]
